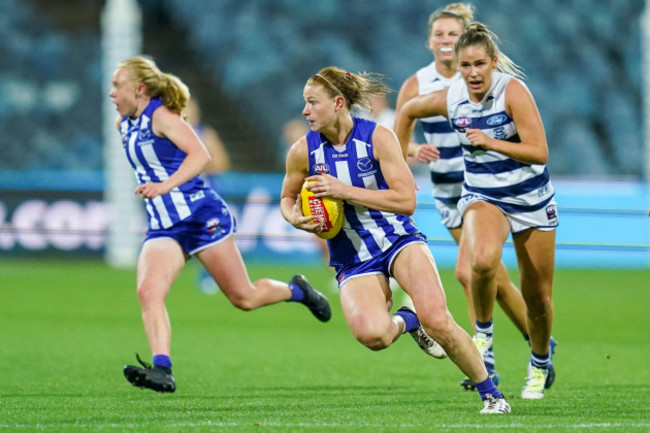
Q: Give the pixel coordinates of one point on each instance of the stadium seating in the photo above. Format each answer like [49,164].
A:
[582,60]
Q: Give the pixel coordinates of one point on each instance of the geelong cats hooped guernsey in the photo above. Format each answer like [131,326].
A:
[515,185]
[446,172]
[155,159]
[366,232]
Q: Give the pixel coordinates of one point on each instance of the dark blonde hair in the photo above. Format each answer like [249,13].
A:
[169,88]
[357,89]
[477,34]
[462,12]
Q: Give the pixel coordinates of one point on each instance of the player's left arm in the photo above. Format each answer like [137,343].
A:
[400,195]
[167,124]
[520,105]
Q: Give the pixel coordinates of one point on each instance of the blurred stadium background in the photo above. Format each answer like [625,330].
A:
[247,60]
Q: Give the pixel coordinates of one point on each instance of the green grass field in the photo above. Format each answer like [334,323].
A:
[68,327]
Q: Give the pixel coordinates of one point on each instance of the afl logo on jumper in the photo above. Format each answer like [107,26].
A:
[460,123]
[497,119]
[321,168]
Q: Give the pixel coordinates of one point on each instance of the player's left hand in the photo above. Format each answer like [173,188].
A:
[151,190]
[427,153]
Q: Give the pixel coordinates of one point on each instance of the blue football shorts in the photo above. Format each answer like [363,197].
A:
[211,223]
[380,264]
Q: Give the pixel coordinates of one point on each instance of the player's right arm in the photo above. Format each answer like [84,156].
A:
[431,104]
[297,169]
[409,90]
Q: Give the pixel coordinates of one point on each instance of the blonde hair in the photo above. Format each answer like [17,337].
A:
[477,34]
[462,12]
[169,88]
[357,89]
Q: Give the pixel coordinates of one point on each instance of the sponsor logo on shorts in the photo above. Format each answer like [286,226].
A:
[197,196]
[466,200]
[213,226]
[551,212]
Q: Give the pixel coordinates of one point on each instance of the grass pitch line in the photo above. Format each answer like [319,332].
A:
[200,424]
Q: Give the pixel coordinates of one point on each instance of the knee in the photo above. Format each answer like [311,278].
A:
[373,342]
[371,335]
[242,303]
[463,275]
[437,326]
[435,318]
[245,297]
[484,264]
[149,293]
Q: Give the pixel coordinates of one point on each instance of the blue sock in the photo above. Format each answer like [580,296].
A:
[410,319]
[540,361]
[485,327]
[162,361]
[488,387]
[297,294]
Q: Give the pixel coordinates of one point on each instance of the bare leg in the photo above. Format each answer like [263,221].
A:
[224,262]
[536,259]
[365,302]
[511,300]
[508,296]
[485,230]
[463,274]
[159,263]
[415,269]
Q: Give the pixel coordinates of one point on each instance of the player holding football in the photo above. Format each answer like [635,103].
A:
[361,163]
[507,188]
[185,216]
[444,155]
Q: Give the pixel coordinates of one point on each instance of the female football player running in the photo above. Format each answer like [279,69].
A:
[361,163]
[443,153]
[186,217]
[507,188]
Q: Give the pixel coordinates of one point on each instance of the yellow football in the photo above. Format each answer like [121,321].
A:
[328,210]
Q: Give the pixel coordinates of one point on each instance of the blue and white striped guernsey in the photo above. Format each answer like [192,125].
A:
[155,159]
[514,186]
[366,233]
[446,172]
